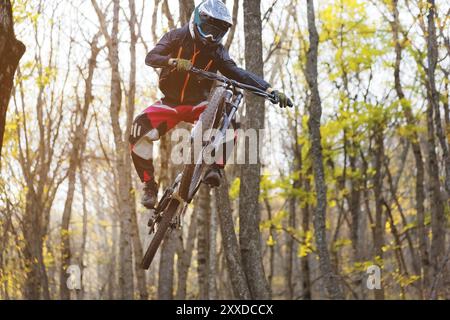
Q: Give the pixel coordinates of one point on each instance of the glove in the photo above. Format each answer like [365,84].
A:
[283,100]
[183,65]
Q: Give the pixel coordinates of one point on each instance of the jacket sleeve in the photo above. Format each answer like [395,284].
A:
[159,56]
[229,69]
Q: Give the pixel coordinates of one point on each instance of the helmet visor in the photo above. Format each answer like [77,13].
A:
[211,28]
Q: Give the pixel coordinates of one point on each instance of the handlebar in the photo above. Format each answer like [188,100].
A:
[235,84]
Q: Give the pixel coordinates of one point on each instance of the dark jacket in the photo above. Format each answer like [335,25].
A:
[183,88]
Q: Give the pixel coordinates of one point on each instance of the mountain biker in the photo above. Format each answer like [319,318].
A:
[198,44]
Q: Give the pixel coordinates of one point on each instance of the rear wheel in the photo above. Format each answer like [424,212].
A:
[163,226]
[209,119]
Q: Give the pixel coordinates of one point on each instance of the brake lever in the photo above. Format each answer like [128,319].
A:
[273,98]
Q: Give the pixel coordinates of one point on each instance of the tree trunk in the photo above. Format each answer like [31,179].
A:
[203,212]
[166,266]
[138,256]
[171,240]
[81,293]
[185,257]
[304,261]
[123,170]
[438,220]
[355,211]
[65,236]
[378,192]
[291,245]
[249,209]
[36,283]
[212,259]
[166,11]
[230,243]
[11,51]
[186,9]
[315,108]
[137,244]
[233,27]
[417,152]
[272,236]
[112,274]
[122,164]
[78,144]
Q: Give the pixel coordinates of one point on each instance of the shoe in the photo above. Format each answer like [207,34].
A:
[150,196]
[213,177]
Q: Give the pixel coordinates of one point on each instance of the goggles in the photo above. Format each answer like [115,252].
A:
[212,29]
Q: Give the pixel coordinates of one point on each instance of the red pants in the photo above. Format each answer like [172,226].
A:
[158,119]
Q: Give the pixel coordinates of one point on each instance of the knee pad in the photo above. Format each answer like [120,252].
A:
[144,146]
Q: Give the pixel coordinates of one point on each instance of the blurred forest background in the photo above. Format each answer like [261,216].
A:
[358,173]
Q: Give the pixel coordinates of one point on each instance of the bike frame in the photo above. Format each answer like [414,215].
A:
[171,200]
[232,101]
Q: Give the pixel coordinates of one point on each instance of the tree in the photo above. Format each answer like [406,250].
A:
[131,101]
[315,110]
[230,243]
[78,144]
[203,214]
[122,164]
[249,209]
[11,51]
[185,257]
[434,127]
[39,157]
[417,150]
[186,9]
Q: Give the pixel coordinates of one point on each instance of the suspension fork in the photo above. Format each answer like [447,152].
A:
[231,108]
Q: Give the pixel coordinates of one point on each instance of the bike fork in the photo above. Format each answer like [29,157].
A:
[228,118]
[234,106]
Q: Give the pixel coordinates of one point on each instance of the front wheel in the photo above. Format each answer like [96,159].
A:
[163,226]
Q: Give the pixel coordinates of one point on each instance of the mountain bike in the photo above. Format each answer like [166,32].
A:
[224,102]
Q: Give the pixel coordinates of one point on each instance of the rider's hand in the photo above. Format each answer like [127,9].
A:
[284,100]
[182,65]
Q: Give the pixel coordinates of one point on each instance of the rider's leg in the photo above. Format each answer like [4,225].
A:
[152,124]
[148,127]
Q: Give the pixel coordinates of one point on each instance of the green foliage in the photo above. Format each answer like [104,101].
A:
[404,280]
[276,221]
[10,135]
[267,185]
[340,243]
[346,25]
[46,77]
[306,247]
[270,242]
[235,188]
[23,12]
